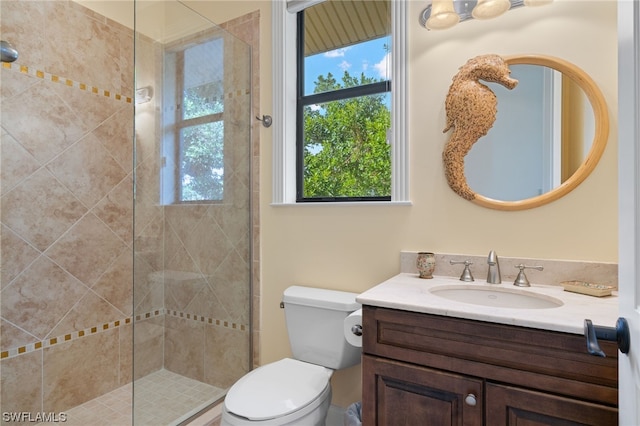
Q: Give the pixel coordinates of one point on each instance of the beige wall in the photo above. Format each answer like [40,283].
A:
[355,247]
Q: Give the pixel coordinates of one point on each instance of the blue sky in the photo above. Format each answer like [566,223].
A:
[369,58]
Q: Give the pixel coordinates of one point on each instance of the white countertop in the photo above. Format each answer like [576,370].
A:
[408,292]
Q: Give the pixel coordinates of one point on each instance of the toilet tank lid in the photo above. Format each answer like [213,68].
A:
[321,298]
[277,389]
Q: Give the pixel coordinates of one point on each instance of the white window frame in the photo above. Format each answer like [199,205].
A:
[284,103]
[171,192]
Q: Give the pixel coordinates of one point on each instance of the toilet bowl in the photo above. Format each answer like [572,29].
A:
[286,392]
[297,391]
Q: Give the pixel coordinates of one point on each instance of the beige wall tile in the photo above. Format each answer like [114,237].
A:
[148,341]
[39,298]
[226,355]
[229,284]
[87,170]
[40,200]
[183,345]
[116,135]
[43,122]
[56,127]
[182,219]
[92,54]
[208,305]
[181,288]
[98,245]
[116,210]
[74,372]
[207,245]
[13,337]
[22,383]
[90,109]
[16,164]
[125,338]
[17,254]
[116,284]
[148,293]
[91,310]
[14,83]
[25,21]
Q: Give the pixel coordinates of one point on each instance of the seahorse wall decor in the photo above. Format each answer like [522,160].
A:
[471,111]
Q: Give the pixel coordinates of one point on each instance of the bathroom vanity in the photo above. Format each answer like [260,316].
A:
[432,360]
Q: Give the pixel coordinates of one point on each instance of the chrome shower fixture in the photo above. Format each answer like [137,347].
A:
[144,94]
[9,54]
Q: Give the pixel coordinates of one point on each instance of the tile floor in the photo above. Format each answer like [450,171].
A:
[335,417]
[161,398]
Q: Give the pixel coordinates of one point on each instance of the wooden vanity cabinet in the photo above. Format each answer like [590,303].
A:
[422,369]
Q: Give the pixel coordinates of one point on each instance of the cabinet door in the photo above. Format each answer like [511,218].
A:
[512,406]
[400,394]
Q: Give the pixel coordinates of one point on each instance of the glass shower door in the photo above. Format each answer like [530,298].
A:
[192,221]
[125,213]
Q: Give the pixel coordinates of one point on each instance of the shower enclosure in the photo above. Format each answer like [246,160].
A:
[125,210]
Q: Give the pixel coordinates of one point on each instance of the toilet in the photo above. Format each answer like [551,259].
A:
[297,390]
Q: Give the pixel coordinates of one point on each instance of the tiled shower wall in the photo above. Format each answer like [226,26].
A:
[193,261]
[67,127]
[247,29]
[67,221]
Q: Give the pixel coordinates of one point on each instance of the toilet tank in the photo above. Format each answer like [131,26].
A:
[315,320]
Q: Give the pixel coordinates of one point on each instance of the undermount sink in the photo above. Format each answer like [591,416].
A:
[496,297]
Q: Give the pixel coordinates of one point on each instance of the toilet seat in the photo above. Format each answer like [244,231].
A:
[277,389]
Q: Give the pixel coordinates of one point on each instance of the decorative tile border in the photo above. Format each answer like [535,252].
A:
[24,69]
[151,314]
[67,82]
[212,321]
[32,347]
[230,95]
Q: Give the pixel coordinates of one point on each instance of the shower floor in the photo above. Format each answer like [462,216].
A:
[161,398]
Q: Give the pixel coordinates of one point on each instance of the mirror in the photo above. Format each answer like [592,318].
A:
[508,161]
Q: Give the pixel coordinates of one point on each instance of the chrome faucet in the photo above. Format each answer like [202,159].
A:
[493,275]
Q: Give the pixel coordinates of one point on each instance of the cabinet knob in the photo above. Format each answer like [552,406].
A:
[470,400]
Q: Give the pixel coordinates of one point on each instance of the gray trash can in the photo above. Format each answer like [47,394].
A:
[353,415]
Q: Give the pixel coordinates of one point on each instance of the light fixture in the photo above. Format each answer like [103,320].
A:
[487,9]
[144,94]
[536,2]
[468,9]
[443,15]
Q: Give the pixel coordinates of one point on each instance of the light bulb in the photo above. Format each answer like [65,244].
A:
[486,9]
[442,15]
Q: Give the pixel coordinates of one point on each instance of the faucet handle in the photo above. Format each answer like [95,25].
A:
[521,279]
[466,273]
[493,273]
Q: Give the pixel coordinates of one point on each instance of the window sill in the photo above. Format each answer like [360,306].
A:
[345,203]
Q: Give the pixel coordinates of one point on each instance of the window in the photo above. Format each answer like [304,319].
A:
[303,128]
[343,102]
[194,130]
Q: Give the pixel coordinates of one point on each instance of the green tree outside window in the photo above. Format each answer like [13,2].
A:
[345,150]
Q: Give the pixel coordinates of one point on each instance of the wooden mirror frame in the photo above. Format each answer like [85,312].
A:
[601,134]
